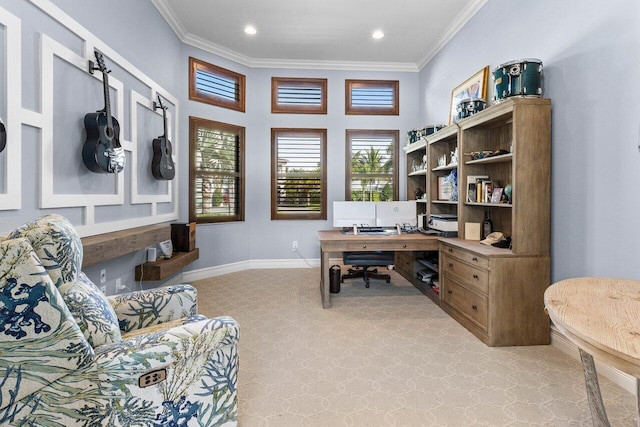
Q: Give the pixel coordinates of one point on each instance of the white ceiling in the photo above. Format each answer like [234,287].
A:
[325,34]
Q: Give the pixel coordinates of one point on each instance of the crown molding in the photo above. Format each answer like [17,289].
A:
[208,46]
[460,21]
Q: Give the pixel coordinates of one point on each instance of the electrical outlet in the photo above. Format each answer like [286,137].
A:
[119,285]
[294,246]
[103,276]
[103,289]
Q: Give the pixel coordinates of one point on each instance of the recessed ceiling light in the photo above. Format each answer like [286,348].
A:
[377,34]
[250,29]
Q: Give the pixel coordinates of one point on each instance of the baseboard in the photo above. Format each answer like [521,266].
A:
[562,343]
[219,270]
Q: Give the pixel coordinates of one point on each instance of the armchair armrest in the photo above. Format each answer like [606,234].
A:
[142,309]
[200,355]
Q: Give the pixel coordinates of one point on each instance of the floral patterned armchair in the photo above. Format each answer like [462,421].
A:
[69,356]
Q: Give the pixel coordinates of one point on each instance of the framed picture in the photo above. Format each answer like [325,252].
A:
[445,189]
[474,87]
[496,196]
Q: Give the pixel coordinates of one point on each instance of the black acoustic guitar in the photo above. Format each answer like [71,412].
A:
[162,166]
[102,152]
[3,136]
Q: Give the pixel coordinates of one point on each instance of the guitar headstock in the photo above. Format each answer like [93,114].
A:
[100,61]
[158,104]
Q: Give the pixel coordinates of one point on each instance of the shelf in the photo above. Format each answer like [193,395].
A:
[107,246]
[158,270]
[490,205]
[420,172]
[428,264]
[493,159]
[415,146]
[446,202]
[421,200]
[448,167]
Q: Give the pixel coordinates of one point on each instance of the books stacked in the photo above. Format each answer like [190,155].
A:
[480,189]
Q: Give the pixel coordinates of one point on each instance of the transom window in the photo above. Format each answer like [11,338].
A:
[298,174]
[372,97]
[216,171]
[216,85]
[298,95]
[372,165]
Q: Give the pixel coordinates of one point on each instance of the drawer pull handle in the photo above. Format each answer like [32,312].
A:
[449,291]
[450,250]
[450,265]
[475,258]
[475,276]
[475,307]
[364,246]
[404,246]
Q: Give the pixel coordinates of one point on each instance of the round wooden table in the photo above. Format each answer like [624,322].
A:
[602,317]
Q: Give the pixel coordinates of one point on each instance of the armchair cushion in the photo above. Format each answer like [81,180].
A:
[59,248]
[92,311]
[57,244]
[39,339]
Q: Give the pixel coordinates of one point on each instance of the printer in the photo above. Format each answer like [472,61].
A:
[443,222]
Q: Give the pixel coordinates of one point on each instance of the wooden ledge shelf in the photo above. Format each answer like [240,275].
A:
[158,270]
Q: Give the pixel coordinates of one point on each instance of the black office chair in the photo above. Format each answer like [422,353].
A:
[362,261]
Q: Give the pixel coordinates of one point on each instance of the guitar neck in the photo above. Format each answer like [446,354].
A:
[107,103]
[164,118]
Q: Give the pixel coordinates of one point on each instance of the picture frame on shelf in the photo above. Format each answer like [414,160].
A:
[496,195]
[445,189]
[474,87]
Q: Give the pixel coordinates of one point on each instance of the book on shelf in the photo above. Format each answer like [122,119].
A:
[472,187]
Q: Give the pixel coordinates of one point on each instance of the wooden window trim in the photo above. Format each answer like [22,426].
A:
[196,64]
[298,109]
[322,215]
[349,109]
[348,155]
[194,123]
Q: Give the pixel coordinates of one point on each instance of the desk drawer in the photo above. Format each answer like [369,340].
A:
[384,246]
[475,277]
[466,256]
[468,303]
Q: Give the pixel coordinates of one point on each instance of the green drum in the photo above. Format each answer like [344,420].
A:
[468,107]
[518,78]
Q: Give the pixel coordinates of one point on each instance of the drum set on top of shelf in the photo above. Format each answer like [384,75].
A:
[521,77]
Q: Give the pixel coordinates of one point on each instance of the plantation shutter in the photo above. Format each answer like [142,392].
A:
[298,95]
[375,97]
[217,173]
[373,169]
[299,178]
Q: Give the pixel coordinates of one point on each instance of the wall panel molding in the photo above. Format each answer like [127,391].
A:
[11,198]
[54,191]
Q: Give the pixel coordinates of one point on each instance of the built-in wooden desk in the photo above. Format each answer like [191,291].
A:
[336,241]
[602,317]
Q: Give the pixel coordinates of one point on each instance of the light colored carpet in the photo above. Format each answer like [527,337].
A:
[386,356]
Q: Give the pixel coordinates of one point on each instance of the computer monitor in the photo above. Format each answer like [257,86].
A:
[346,214]
[388,214]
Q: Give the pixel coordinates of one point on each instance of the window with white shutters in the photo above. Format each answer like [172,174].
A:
[372,165]
[298,95]
[216,166]
[298,174]
[372,97]
[216,85]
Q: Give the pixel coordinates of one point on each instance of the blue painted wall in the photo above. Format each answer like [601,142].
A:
[591,67]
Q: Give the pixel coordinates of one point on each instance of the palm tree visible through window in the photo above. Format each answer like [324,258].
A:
[216,171]
[372,165]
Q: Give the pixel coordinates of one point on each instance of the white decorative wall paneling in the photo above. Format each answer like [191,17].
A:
[11,157]
[16,116]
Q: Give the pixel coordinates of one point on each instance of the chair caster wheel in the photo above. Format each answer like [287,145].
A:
[366,285]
